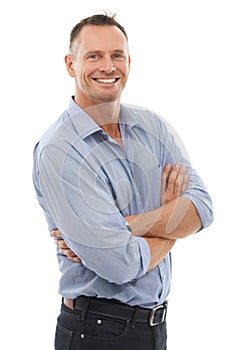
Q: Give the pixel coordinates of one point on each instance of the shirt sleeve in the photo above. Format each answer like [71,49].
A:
[173,151]
[81,205]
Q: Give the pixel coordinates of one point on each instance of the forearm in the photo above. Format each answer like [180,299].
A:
[159,248]
[176,219]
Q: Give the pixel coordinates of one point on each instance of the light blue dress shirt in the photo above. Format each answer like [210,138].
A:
[87,184]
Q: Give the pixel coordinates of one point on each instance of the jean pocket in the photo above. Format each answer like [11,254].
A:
[63,338]
[105,329]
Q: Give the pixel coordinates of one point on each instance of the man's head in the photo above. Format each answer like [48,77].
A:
[99,60]
[96,20]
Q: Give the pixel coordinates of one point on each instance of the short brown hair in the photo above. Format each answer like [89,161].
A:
[97,20]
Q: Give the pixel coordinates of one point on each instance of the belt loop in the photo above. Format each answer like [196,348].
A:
[135,316]
[83,313]
[84,308]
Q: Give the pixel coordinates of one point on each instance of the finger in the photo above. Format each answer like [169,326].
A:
[75,259]
[180,180]
[55,234]
[68,253]
[185,184]
[166,171]
[61,244]
[164,180]
[171,186]
[165,176]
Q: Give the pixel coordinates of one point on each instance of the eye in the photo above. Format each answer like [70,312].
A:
[118,56]
[93,57]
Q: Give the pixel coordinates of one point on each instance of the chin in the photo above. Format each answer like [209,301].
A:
[106,99]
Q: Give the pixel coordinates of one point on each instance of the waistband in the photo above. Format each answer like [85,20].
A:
[114,309]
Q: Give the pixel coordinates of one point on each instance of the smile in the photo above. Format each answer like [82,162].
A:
[106,80]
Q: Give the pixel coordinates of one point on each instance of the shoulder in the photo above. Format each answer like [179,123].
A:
[57,133]
[143,117]
[138,111]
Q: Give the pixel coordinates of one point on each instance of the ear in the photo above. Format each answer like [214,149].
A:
[129,61]
[70,65]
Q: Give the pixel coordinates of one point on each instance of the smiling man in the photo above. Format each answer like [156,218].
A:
[99,61]
[117,194]
[100,67]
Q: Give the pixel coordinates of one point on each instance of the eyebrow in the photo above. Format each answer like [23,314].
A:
[100,51]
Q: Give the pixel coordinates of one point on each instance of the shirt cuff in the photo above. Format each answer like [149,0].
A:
[204,209]
[145,256]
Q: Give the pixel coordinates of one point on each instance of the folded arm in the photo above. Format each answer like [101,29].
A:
[162,227]
[91,225]
[83,215]
[176,219]
[174,184]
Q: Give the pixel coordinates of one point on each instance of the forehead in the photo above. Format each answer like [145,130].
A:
[103,38]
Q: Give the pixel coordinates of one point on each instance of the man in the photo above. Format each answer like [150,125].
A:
[113,183]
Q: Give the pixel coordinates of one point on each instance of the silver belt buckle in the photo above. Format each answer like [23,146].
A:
[151,319]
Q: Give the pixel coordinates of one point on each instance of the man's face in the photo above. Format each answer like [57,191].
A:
[100,62]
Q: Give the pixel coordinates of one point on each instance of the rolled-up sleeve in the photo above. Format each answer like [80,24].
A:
[81,205]
[174,152]
[198,195]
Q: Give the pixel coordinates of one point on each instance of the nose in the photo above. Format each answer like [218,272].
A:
[107,65]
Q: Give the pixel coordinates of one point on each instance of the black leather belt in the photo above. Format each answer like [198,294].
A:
[115,309]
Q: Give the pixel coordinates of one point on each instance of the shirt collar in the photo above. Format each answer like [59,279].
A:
[86,126]
[127,115]
[82,122]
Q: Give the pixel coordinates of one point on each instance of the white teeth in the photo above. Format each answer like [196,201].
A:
[106,81]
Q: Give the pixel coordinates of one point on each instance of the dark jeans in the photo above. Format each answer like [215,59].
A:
[105,333]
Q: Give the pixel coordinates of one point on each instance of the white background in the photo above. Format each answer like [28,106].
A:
[182,68]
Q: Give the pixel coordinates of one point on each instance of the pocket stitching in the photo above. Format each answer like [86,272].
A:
[114,338]
[68,333]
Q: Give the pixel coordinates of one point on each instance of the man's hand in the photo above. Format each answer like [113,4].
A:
[174,182]
[63,248]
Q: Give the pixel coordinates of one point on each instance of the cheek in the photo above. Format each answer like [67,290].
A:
[89,68]
[82,72]
[124,68]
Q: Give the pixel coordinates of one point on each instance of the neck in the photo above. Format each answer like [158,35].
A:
[106,115]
